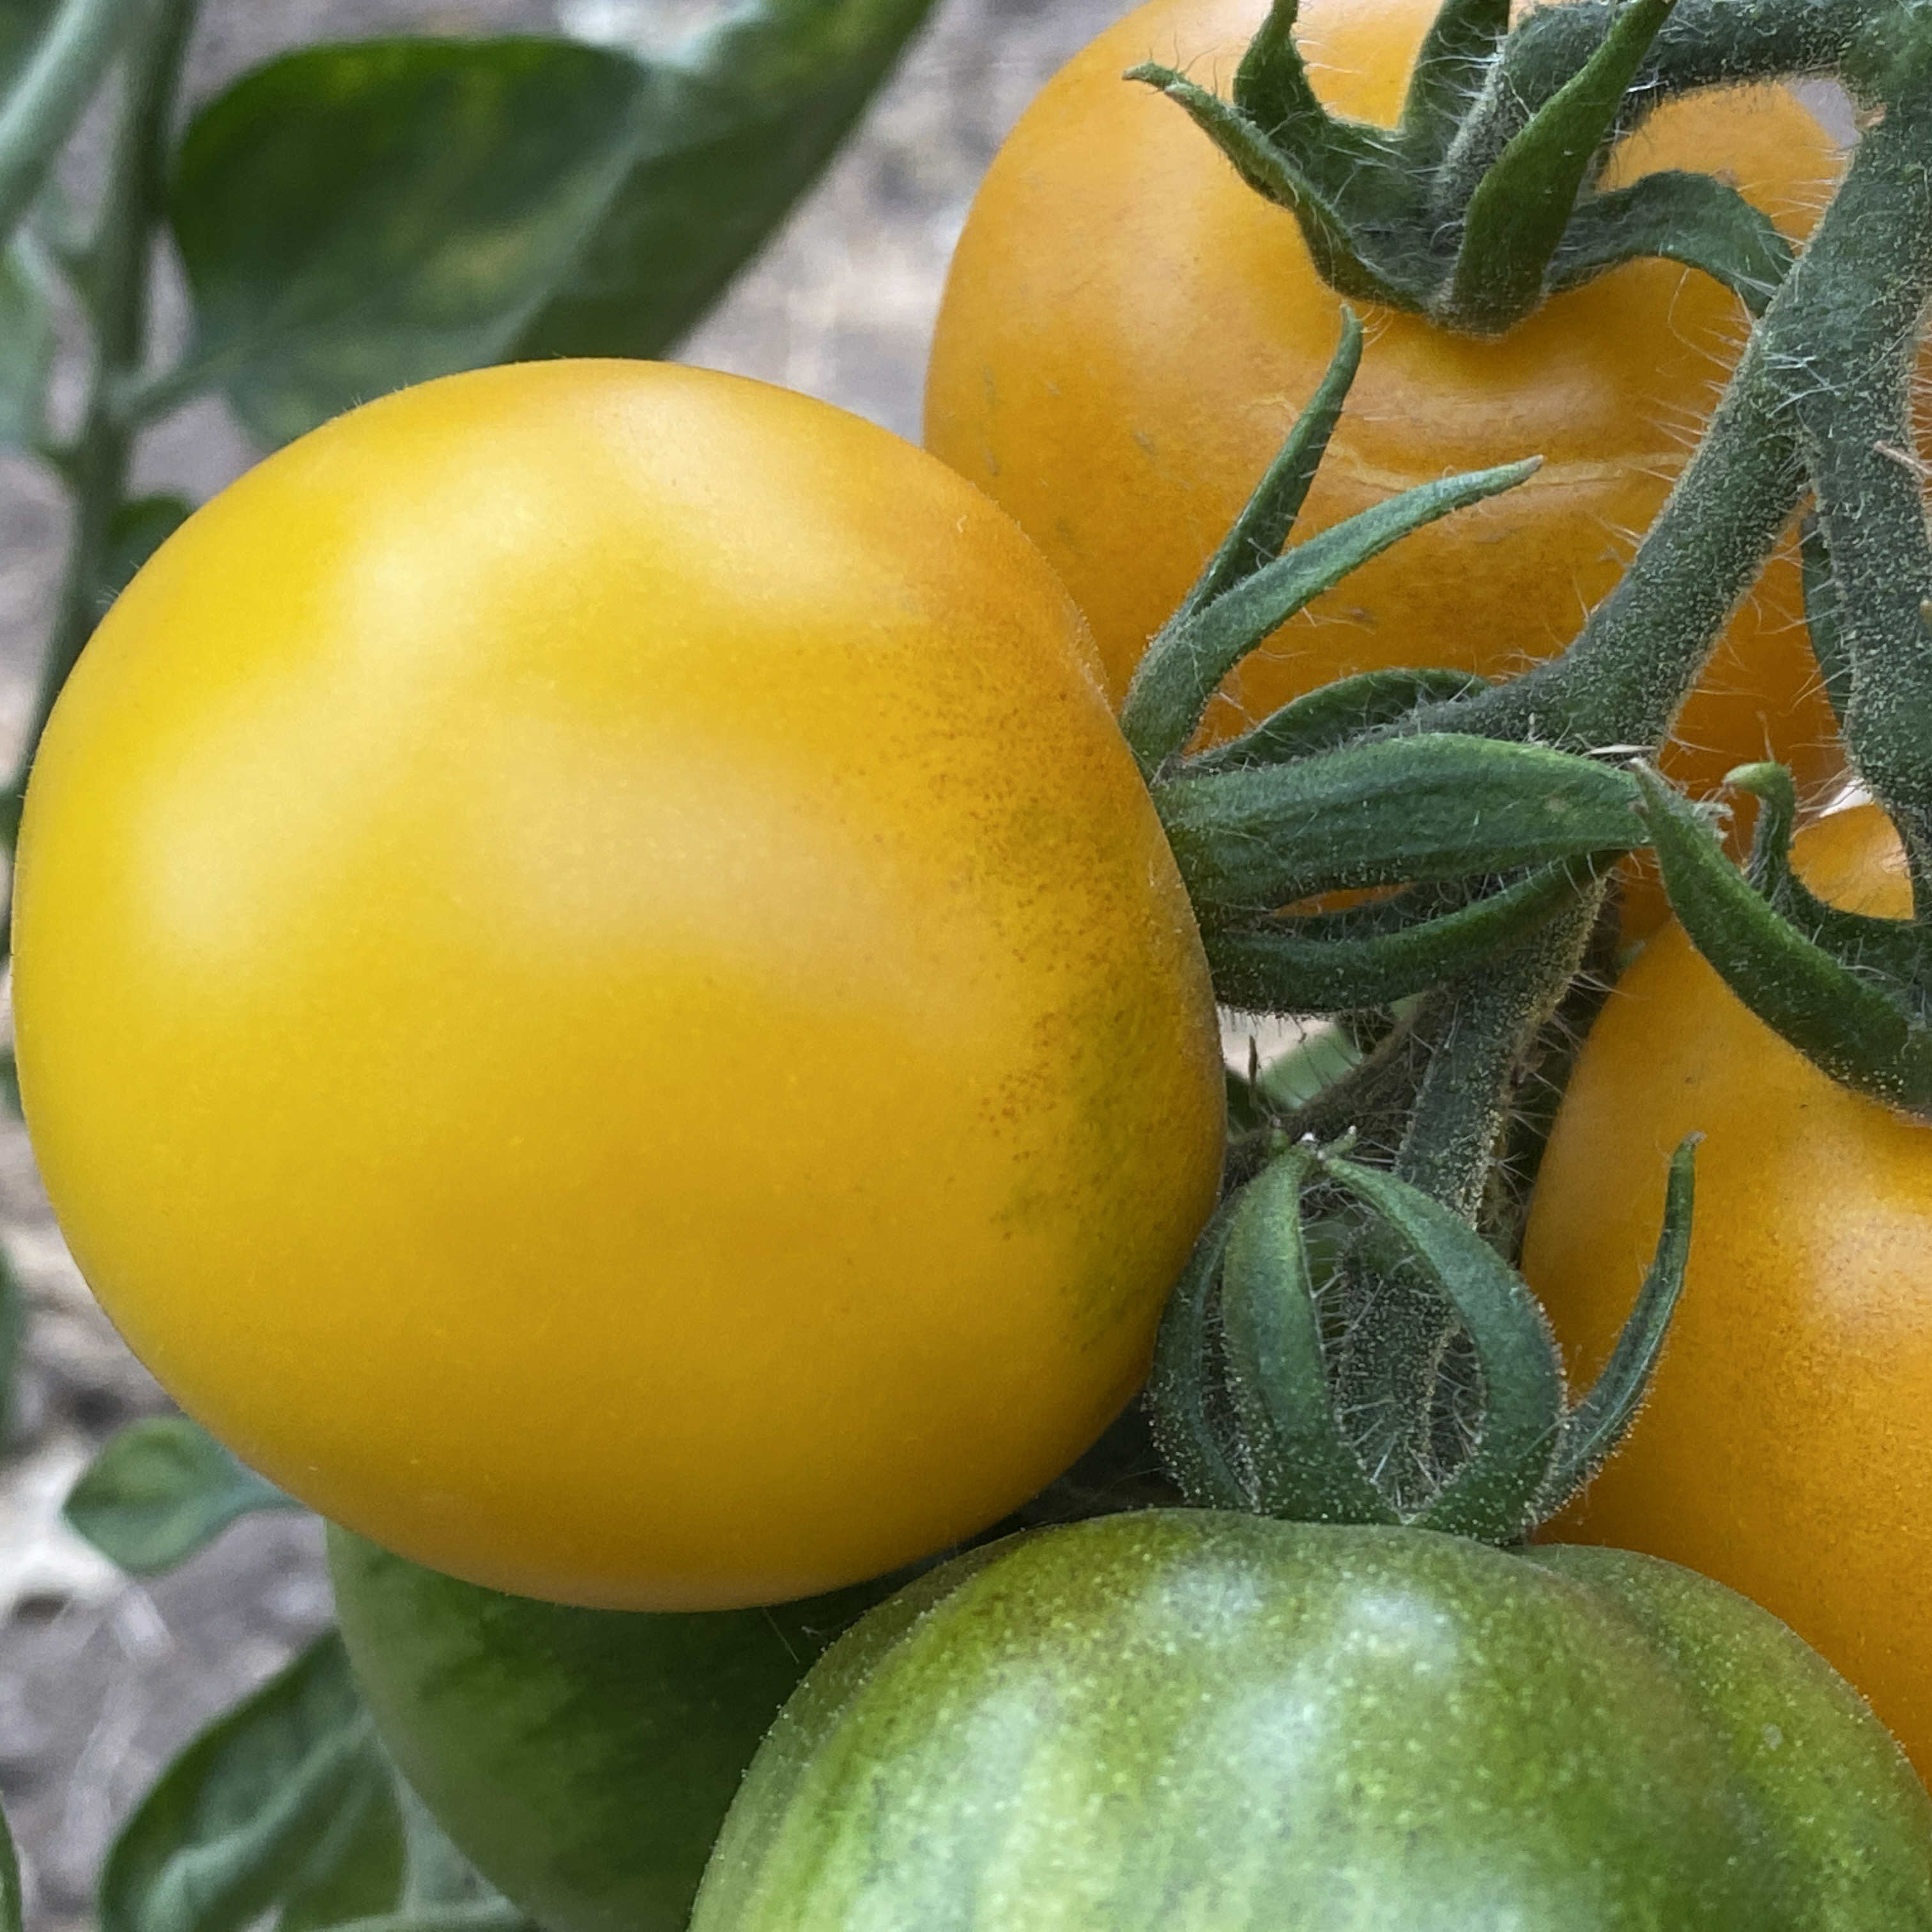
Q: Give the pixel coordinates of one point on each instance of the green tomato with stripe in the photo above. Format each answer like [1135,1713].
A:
[1186,1721]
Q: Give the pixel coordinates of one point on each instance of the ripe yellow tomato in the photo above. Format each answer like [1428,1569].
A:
[1128,330]
[599,996]
[1786,1450]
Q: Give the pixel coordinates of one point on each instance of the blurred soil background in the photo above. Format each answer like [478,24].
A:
[102,1679]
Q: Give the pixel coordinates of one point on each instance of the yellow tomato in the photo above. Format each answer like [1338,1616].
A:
[1128,330]
[1786,1450]
[599,996]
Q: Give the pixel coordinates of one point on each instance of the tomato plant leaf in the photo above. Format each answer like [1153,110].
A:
[1517,216]
[1331,715]
[1493,1496]
[1267,520]
[735,129]
[1315,965]
[10,1913]
[1437,806]
[355,1869]
[245,1817]
[1678,217]
[1179,1403]
[138,529]
[1304,1467]
[1600,1422]
[354,218]
[22,23]
[162,1490]
[1840,1016]
[1186,663]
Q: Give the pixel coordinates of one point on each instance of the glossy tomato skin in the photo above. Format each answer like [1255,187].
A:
[1787,1448]
[582,1760]
[599,996]
[1128,332]
[1183,1720]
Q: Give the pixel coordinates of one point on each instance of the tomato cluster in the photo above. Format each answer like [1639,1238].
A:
[599,994]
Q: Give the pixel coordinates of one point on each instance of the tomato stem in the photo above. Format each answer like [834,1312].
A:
[113,278]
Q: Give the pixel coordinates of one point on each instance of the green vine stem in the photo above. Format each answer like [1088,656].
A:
[1820,403]
[1395,1364]
[1840,328]
[112,278]
[1854,405]
[1704,43]
[41,109]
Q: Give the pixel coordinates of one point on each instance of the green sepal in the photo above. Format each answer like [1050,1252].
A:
[1601,1421]
[1332,244]
[1316,964]
[1837,1015]
[1517,217]
[1680,217]
[1888,947]
[1185,664]
[1493,1496]
[1178,1396]
[1272,92]
[1440,805]
[1268,517]
[1331,715]
[1303,1467]
[1822,618]
[1456,52]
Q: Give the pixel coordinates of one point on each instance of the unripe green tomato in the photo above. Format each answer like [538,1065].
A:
[583,1760]
[599,996]
[1181,1721]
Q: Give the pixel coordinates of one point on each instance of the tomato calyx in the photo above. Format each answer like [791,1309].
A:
[1488,839]
[1251,1386]
[1477,206]
[1252,585]
[1849,991]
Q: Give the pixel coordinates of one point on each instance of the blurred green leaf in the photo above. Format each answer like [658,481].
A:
[12,1335]
[160,1490]
[10,1083]
[263,1809]
[22,24]
[353,218]
[355,1869]
[139,529]
[733,133]
[10,1881]
[27,341]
